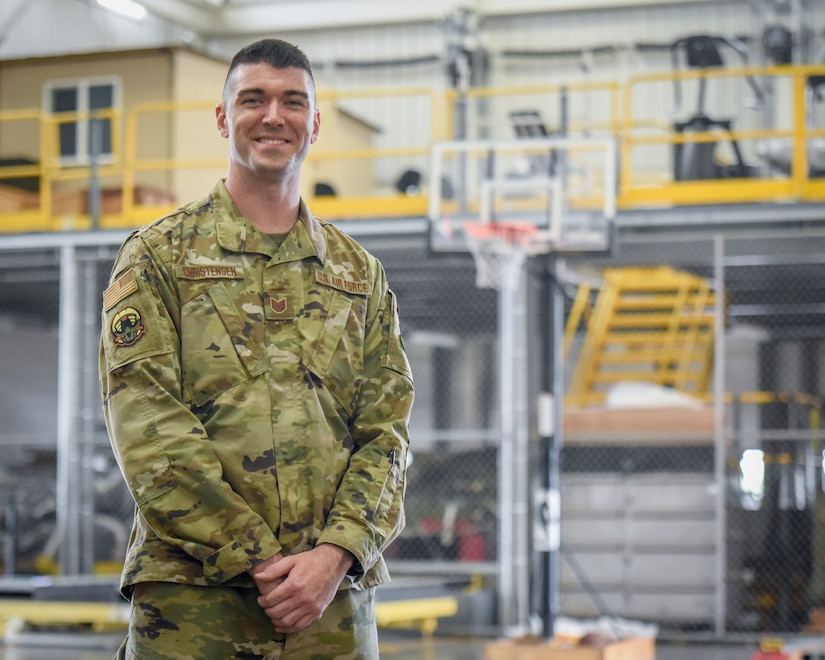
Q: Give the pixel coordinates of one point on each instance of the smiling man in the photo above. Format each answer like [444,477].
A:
[260,415]
[270,122]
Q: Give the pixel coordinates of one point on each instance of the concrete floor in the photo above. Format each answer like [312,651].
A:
[394,646]
[474,650]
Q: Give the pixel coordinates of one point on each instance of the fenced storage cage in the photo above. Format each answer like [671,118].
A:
[701,511]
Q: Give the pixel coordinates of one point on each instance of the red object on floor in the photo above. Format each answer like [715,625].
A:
[770,655]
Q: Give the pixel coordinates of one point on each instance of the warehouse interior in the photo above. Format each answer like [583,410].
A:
[604,222]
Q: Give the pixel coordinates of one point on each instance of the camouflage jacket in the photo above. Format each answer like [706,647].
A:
[256,396]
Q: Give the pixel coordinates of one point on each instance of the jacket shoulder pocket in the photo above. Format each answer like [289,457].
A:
[132,325]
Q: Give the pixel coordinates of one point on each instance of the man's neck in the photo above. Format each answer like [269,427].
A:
[272,208]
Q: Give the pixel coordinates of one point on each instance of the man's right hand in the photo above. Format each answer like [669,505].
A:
[264,585]
[303,586]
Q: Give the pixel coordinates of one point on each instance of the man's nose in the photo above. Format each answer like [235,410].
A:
[273,114]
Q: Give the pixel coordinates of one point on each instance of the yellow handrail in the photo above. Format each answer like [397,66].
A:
[797,185]
[130,166]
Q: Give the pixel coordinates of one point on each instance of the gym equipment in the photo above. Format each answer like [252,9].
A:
[529,124]
[699,160]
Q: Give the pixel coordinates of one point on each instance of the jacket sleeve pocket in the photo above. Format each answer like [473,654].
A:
[132,326]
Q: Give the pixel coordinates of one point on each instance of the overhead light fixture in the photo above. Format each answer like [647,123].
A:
[127,8]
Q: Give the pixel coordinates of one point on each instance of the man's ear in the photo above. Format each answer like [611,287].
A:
[316,126]
[220,119]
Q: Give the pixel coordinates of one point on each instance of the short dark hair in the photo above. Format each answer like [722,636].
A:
[275,52]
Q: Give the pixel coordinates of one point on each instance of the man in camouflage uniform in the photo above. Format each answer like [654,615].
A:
[257,397]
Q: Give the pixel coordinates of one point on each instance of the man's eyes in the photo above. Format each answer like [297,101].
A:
[254,100]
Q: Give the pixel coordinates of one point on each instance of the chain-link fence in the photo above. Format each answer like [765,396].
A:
[711,514]
[64,507]
[692,511]
[689,498]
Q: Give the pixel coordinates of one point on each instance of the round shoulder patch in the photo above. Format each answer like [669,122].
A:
[127,327]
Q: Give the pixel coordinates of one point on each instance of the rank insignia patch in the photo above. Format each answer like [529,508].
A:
[127,327]
[280,308]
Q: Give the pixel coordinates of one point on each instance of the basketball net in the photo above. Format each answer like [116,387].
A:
[499,250]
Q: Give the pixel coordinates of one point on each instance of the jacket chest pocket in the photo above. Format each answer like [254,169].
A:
[219,346]
[334,352]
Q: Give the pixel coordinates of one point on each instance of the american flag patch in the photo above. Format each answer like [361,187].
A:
[119,289]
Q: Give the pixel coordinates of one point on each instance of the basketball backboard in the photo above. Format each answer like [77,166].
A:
[565,187]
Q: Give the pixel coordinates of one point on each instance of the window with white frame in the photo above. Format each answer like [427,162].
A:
[80,139]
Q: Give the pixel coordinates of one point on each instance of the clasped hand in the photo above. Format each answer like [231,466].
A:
[296,589]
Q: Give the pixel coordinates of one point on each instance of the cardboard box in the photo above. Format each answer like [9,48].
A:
[816,621]
[635,648]
[14,199]
[669,425]
[76,202]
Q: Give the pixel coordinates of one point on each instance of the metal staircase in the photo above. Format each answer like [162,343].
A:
[650,324]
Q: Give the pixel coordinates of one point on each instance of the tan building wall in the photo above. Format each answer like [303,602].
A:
[199,80]
[171,93]
[145,76]
[340,131]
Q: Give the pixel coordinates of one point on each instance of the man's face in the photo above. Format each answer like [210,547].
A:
[270,119]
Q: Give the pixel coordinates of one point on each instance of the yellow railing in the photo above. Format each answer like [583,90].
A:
[60,204]
[22,210]
[383,203]
[797,185]
[555,94]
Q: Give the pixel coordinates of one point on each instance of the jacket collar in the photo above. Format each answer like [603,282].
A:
[237,234]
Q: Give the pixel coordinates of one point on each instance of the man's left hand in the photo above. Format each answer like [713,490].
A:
[308,582]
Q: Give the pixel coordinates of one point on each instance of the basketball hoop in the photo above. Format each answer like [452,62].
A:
[499,250]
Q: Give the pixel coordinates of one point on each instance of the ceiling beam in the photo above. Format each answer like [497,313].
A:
[260,18]
[506,7]
[324,14]
[181,13]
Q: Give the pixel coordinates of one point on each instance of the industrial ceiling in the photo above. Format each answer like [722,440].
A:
[223,18]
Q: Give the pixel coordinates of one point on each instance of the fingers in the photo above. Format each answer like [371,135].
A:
[267,569]
[289,598]
[287,618]
[270,583]
[296,627]
[297,589]
[290,616]
[290,605]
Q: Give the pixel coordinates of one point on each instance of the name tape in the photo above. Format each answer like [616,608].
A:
[337,282]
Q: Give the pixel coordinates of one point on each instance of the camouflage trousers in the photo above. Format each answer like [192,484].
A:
[183,622]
